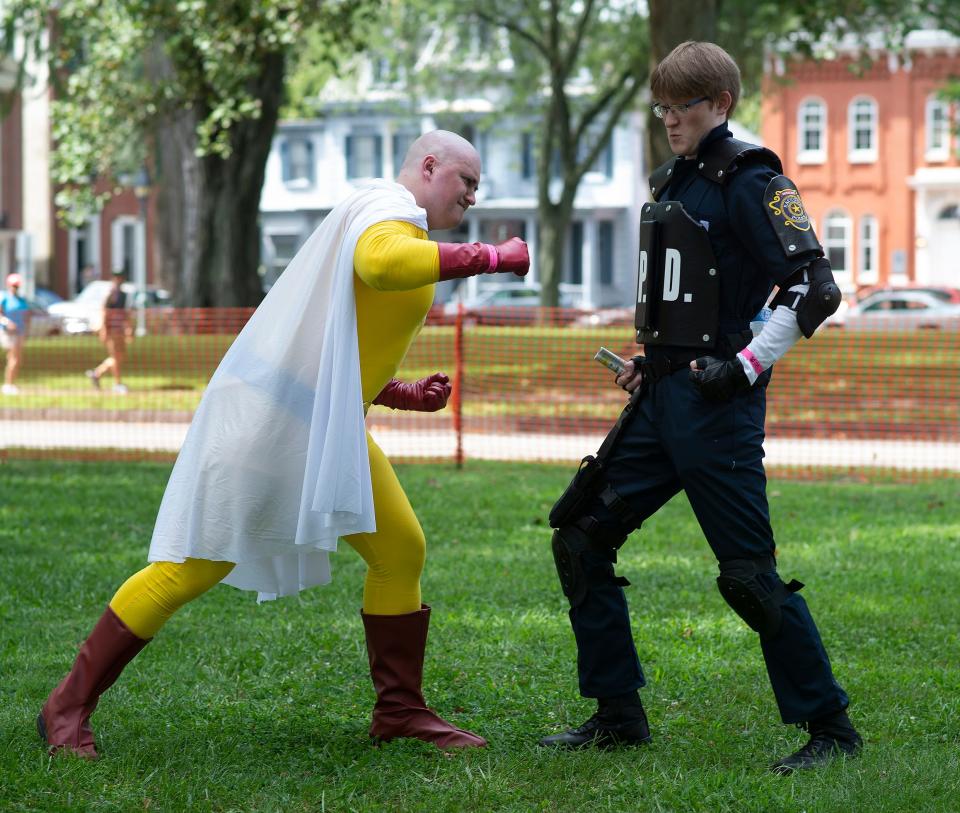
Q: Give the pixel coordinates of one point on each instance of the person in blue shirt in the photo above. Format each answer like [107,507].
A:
[14,317]
[724,228]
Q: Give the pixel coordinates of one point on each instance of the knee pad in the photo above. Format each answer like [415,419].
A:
[758,605]
[569,544]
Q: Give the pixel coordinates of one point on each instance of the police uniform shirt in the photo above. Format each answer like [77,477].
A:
[749,255]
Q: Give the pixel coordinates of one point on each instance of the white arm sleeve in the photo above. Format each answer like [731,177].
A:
[779,334]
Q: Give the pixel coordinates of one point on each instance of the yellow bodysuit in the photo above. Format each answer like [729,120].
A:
[395,270]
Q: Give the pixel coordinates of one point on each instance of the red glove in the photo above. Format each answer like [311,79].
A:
[429,394]
[458,260]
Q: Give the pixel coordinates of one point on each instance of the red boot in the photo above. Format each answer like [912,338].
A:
[395,644]
[64,720]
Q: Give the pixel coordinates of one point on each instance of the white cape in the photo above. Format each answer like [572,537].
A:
[274,467]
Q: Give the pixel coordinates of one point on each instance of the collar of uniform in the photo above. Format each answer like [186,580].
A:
[717,133]
[680,166]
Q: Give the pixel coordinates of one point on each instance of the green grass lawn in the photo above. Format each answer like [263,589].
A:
[236,707]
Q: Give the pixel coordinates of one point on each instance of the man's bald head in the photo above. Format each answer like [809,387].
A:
[442,172]
[441,143]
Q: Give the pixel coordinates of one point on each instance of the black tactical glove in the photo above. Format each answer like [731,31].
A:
[719,380]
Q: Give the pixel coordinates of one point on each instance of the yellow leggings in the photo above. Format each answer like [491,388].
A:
[394,557]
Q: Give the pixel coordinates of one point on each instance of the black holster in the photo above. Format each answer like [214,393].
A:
[590,478]
[585,485]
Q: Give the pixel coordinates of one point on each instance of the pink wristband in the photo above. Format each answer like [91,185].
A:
[752,360]
[494,258]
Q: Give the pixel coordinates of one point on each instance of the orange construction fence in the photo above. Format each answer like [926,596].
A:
[526,387]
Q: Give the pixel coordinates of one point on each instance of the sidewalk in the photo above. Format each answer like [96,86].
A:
[168,437]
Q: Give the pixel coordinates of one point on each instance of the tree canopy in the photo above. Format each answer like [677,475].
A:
[191,88]
[559,72]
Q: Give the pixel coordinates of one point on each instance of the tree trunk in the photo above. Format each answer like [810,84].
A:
[175,183]
[230,257]
[554,228]
[549,256]
[177,189]
[673,22]
[208,207]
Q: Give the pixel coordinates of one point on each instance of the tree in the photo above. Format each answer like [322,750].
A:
[590,62]
[748,28]
[566,69]
[190,88]
[673,22]
[575,66]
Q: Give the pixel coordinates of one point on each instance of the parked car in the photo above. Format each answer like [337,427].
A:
[942,292]
[41,322]
[607,316]
[507,304]
[82,313]
[901,309]
[45,297]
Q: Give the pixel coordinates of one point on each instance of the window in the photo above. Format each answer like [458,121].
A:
[812,132]
[937,129]
[574,272]
[364,155]
[81,247]
[280,249]
[604,163]
[84,255]
[462,124]
[296,155]
[285,247]
[123,244]
[862,130]
[527,163]
[401,143]
[836,244]
[605,252]
[867,273]
[384,72]
[497,231]
[475,37]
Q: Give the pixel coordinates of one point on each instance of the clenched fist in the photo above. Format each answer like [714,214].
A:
[429,394]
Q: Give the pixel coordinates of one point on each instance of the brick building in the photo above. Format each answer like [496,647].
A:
[32,241]
[875,155]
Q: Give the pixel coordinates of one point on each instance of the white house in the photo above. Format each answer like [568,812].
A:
[316,163]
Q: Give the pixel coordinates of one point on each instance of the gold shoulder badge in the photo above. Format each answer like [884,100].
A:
[786,203]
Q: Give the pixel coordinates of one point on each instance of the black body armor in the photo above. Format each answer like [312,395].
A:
[678,280]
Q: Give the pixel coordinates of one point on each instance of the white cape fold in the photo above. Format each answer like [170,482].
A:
[274,467]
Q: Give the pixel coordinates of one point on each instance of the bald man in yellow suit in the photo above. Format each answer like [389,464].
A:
[394,270]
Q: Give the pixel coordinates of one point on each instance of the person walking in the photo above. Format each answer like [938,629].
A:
[115,329]
[14,319]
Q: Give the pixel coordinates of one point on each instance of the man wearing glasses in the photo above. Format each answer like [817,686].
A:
[725,228]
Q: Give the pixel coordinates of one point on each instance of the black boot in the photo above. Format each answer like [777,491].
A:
[618,721]
[830,737]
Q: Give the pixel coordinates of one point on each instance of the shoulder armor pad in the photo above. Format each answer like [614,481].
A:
[790,221]
[725,156]
[661,177]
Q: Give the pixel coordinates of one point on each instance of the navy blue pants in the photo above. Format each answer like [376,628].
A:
[714,453]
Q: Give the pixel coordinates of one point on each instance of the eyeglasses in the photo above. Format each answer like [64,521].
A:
[661,110]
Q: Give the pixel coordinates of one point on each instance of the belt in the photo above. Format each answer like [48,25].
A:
[655,369]
[667,361]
